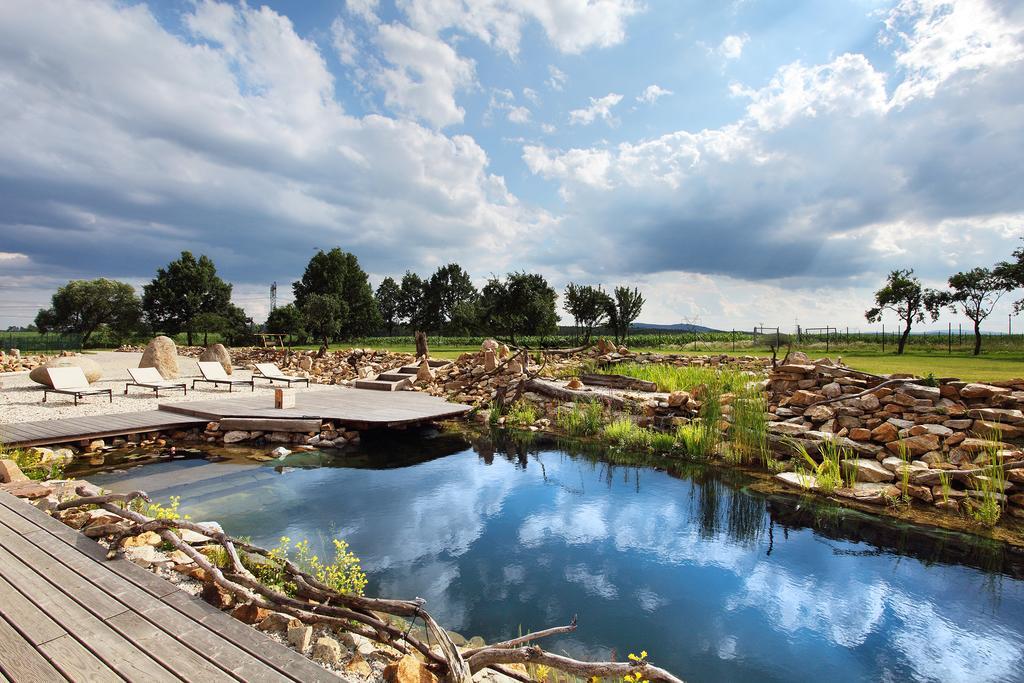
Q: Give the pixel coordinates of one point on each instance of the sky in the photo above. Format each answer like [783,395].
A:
[742,163]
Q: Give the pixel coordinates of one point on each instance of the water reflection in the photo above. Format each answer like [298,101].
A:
[519,532]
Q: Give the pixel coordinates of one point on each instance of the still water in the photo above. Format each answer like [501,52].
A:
[715,582]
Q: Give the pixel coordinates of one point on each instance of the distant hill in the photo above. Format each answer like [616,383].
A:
[674,327]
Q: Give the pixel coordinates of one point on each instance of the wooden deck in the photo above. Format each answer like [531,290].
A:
[67,613]
[93,427]
[354,408]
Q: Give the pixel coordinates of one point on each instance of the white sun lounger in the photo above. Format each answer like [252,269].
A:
[150,378]
[213,373]
[273,373]
[72,381]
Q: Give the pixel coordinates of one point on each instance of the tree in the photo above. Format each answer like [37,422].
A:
[389,296]
[975,292]
[523,303]
[337,273]
[323,314]
[287,320]
[1012,273]
[903,295]
[82,306]
[623,311]
[237,327]
[209,322]
[410,301]
[448,287]
[588,307]
[182,291]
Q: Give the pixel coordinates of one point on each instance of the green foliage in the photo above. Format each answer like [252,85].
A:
[975,293]
[1012,273]
[323,315]
[991,482]
[588,306]
[583,419]
[827,473]
[624,310]
[388,295]
[522,412]
[749,430]
[288,320]
[903,295]
[337,274]
[410,301]
[697,439]
[447,288]
[627,433]
[31,464]
[343,574]
[183,290]
[661,442]
[944,482]
[83,306]
[522,303]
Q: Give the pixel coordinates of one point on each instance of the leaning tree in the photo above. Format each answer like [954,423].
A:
[903,295]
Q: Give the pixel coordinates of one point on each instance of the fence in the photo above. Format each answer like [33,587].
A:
[33,342]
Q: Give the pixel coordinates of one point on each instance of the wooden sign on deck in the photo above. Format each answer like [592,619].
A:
[284,398]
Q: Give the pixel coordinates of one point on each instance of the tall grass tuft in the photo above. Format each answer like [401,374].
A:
[583,419]
[696,439]
[626,433]
[749,430]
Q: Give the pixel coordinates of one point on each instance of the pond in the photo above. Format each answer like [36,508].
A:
[503,535]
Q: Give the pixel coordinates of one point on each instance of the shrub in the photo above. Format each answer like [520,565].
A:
[583,419]
[624,432]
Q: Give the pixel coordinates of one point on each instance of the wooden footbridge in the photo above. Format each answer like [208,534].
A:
[358,409]
[69,614]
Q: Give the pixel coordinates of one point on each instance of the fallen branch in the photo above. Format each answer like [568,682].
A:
[318,603]
[563,394]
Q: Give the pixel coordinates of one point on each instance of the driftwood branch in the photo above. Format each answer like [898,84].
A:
[563,394]
[317,603]
[618,382]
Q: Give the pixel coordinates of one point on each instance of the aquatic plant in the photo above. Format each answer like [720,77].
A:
[661,442]
[31,464]
[583,419]
[826,473]
[991,483]
[522,412]
[749,430]
[627,433]
[945,484]
[696,438]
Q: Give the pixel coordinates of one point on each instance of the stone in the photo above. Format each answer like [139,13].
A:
[870,492]
[884,433]
[489,345]
[275,622]
[327,650]
[869,403]
[977,445]
[798,480]
[358,666]
[997,430]
[976,390]
[90,368]
[162,354]
[678,398]
[95,445]
[1000,415]
[892,463]
[217,353]
[408,669]
[280,452]
[234,436]
[299,635]
[217,596]
[514,367]
[10,472]
[870,471]
[145,538]
[27,489]
[787,428]
[250,613]
[860,434]
[937,430]
[832,390]
[819,413]
[933,458]
[306,363]
[424,373]
[915,445]
[490,362]
[575,384]
[802,397]
[920,391]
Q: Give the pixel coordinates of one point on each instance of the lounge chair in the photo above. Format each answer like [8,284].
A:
[273,373]
[72,381]
[213,373]
[150,378]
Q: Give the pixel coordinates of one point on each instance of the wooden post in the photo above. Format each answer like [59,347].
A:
[421,345]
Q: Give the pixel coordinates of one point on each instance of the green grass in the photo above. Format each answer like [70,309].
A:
[673,378]
[583,419]
[626,433]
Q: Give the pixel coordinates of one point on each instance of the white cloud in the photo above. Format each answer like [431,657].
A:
[364,9]
[345,42]
[600,108]
[572,26]
[939,39]
[557,79]
[532,95]
[651,94]
[519,115]
[731,46]
[425,76]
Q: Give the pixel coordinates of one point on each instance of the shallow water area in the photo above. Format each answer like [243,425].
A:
[503,533]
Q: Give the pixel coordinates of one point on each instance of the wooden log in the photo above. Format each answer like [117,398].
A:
[618,382]
[539,386]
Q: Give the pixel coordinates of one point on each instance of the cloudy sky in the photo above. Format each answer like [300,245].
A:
[742,162]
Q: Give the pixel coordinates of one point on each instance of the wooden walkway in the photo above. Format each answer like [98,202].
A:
[67,613]
[354,408]
[92,427]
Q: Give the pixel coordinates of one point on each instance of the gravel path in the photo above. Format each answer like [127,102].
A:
[21,398]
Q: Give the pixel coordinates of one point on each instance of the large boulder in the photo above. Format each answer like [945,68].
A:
[90,367]
[162,354]
[217,353]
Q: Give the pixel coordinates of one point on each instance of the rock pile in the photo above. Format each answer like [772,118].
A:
[894,423]
[14,361]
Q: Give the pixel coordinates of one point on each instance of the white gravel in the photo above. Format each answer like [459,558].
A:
[21,398]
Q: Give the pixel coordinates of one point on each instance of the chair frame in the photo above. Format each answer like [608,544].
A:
[166,385]
[77,392]
[232,383]
[279,378]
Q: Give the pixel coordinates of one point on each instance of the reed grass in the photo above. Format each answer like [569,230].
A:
[584,418]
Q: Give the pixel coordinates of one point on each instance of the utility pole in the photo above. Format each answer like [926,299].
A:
[273,296]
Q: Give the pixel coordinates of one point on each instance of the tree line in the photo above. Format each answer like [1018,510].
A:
[334,301]
[974,293]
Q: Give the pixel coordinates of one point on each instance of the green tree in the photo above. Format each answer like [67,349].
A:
[623,311]
[1012,273]
[337,273]
[410,301]
[975,294]
[448,287]
[237,328]
[903,295]
[588,307]
[522,303]
[185,289]
[288,320]
[207,323]
[83,306]
[323,314]
[389,296]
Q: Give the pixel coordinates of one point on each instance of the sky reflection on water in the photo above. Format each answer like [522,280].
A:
[716,583]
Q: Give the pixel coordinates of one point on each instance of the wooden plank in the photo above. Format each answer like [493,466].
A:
[28,619]
[13,520]
[166,649]
[20,661]
[108,645]
[76,662]
[270,425]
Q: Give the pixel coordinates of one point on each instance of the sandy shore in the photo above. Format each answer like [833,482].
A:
[21,398]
